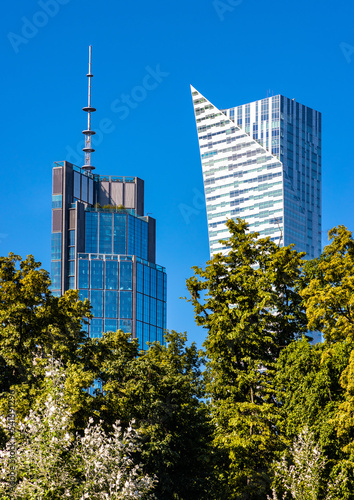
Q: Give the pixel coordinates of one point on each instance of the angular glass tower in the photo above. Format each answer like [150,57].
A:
[262,162]
[104,246]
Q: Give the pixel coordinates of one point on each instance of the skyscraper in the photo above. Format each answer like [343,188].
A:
[261,161]
[104,246]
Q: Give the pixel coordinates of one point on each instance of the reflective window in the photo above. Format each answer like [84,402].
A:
[159,335]
[110,325]
[56,201]
[96,274]
[146,335]
[139,333]
[84,188]
[84,266]
[144,240]
[139,306]
[153,337]
[84,294]
[125,305]
[160,290]
[125,325]
[71,253]
[160,321]
[72,238]
[153,283]
[153,311]
[96,328]
[111,304]
[77,191]
[91,226]
[71,268]
[56,275]
[111,275]
[140,277]
[119,233]
[105,240]
[146,309]
[71,283]
[56,246]
[97,303]
[131,235]
[125,275]
[146,280]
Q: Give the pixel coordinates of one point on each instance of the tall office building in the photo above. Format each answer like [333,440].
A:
[104,246]
[262,162]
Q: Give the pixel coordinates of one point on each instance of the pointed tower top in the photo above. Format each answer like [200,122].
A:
[88,133]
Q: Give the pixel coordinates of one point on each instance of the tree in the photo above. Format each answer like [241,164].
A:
[248,302]
[299,473]
[34,326]
[54,462]
[161,390]
[327,288]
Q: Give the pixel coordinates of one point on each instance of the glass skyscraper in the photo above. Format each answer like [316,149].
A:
[104,246]
[262,162]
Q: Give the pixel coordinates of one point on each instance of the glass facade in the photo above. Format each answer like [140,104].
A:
[262,162]
[107,252]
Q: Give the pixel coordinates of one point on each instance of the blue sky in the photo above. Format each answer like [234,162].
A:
[232,51]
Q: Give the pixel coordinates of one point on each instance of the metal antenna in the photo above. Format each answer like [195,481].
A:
[88,133]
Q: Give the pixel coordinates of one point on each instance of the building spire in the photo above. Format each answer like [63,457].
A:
[88,133]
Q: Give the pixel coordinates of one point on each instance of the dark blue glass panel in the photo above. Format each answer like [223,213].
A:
[71,268]
[120,234]
[137,250]
[125,276]
[84,266]
[131,235]
[164,315]
[71,283]
[71,253]
[110,325]
[111,276]
[153,311]
[165,287]
[56,275]
[160,290]
[84,294]
[105,241]
[125,305]
[146,280]
[140,277]
[144,241]
[153,283]
[146,309]
[139,333]
[153,337]
[56,201]
[111,304]
[139,306]
[160,335]
[96,274]
[56,246]
[96,328]
[97,303]
[125,325]
[160,314]
[72,238]
[146,335]
[91,232]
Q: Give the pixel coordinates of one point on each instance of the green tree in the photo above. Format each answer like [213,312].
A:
[34,327]
[161,390]
[248,302]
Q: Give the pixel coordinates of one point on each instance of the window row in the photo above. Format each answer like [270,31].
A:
[116,233]
[109,274]
[109,304]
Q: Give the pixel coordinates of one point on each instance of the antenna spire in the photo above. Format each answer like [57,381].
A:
[88,133]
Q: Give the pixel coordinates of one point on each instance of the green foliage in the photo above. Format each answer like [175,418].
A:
[34,326]
[328,288]
[247,301]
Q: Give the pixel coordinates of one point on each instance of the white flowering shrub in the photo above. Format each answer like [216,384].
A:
[301,479]
[51,462]
[107,469]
